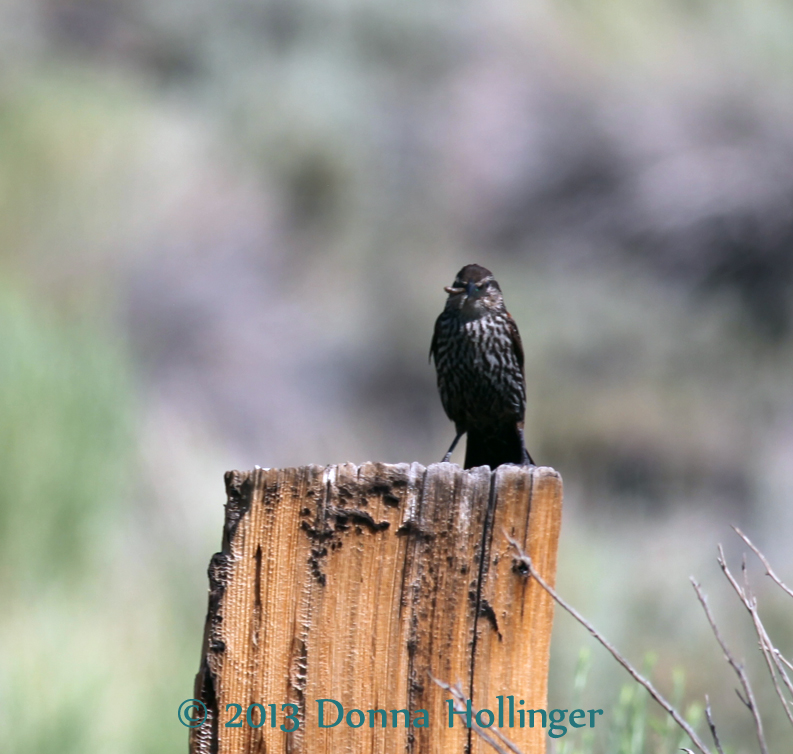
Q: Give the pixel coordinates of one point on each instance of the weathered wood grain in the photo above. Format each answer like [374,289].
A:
[362,584]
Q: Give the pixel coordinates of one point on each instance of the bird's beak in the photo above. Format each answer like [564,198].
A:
[470,289]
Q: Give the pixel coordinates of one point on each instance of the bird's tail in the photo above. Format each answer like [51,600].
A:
[496,445]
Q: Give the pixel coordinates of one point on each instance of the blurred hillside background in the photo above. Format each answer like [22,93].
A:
[224,232]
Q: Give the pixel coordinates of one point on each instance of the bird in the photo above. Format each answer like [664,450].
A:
[479,363]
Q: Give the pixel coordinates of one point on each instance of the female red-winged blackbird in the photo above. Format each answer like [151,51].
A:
[479,360]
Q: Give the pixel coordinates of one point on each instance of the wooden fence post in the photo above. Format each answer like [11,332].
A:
[361,584]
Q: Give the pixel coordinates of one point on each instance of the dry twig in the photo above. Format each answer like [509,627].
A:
[486,734]
[769,571]
[749,701]
[712,725]
[772,656]
[525,561]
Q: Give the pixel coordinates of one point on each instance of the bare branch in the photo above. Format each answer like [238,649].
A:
[772,656]
[486,734]
[525,561]
[749,701]
[712,725]
[769,571]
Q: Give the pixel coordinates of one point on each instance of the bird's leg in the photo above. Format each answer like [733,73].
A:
[527,459]
[453,446]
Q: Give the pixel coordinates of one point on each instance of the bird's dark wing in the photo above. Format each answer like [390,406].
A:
[515,337]
[434,343]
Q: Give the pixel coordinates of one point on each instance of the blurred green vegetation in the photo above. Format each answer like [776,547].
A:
[655,30]
[66,434]
[94,634]
[628,725]
[93,629]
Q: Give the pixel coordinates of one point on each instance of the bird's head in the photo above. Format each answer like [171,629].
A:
[474,292]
